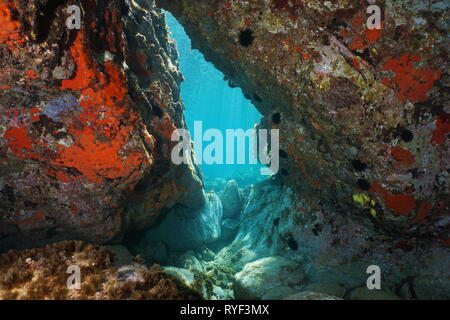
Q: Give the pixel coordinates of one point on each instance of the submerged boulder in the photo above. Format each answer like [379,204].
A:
[229,229]
[215,185]
[183,229]
[232,199]
[213,280]
[260,277]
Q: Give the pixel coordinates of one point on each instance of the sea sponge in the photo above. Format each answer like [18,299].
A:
[41,274]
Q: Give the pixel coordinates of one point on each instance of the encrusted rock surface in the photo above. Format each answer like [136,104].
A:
[333,250]
[86,118]
[363,114]
[261,277]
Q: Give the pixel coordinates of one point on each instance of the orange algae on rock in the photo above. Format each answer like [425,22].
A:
[411,83]
[19,142]
[402,155]
[29,74]
[10,30]
[102,131]
[164,126]
[107,124]
[402,204]
[362,36]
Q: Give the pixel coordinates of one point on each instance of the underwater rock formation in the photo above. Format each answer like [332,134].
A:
[86,118]
[266,276]
[333,250]
[230,228]
[363,113]
[212,278]
[42,274]
[182,229]
[232,199]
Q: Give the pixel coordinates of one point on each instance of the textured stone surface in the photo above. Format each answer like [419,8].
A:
[232,199]
[185,276]
[331,249]
[214,280]
[184,229]
[259,277]
[332,289]
[121,255]
[153,252]
[41,274]
[363,114]
[86,118]
[309,295]
[229,229]
[277,293]
[363,293]
[437,288]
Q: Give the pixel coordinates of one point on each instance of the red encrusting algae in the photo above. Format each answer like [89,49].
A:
[402,204]
[99,142]
[361,36]
[19,142]
[401,155]
[10,30]
[411,83]
[102,131]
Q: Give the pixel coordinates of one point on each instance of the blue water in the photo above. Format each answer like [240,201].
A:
[208,98]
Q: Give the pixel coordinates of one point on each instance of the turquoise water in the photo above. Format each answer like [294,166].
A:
[208,98]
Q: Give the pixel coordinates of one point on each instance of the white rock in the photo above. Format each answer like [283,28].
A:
[184,275]
[259,277]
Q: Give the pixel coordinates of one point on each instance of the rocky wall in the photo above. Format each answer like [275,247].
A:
[86,118]
[333,252]
[363,113]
